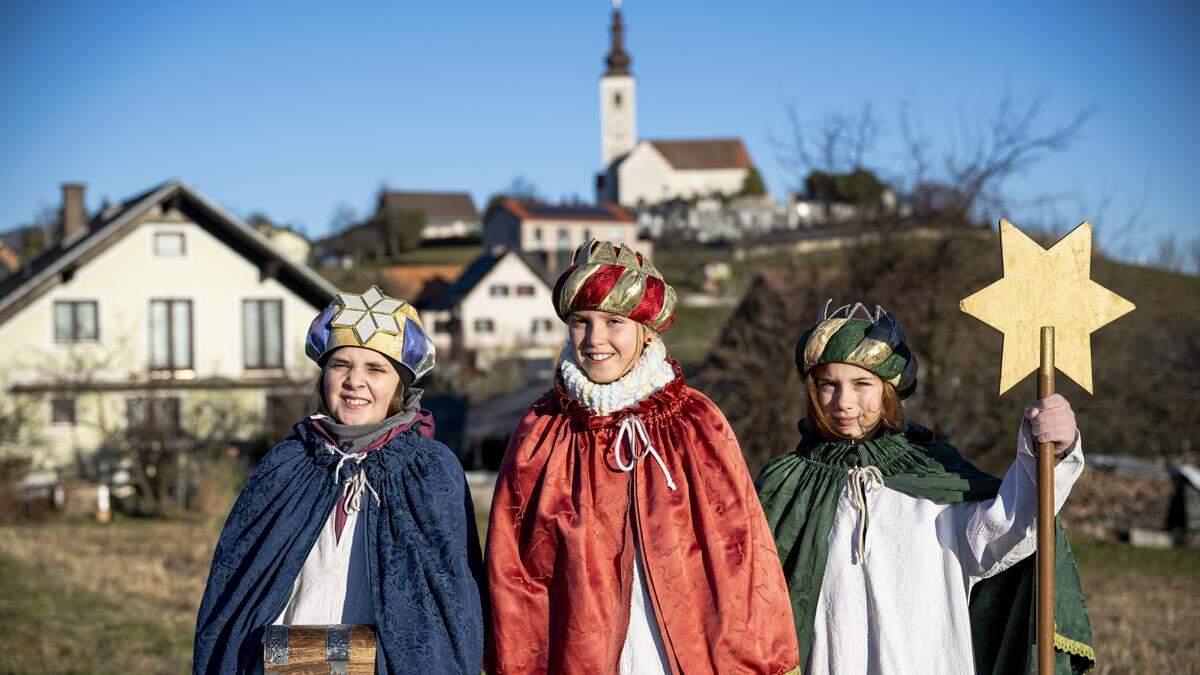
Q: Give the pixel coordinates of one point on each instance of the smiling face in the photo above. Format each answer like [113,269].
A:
[358,384]
[605,345]
[851,398]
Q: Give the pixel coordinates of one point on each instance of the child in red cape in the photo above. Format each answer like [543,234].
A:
[626,536]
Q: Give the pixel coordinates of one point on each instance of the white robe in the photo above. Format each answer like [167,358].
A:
[333,586]
[643,652]
[905,609]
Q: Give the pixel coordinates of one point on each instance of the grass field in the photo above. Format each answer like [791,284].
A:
[80,597]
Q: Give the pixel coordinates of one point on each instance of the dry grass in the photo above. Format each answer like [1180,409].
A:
[80,597]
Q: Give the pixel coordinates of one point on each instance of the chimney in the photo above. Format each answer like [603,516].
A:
[74,213]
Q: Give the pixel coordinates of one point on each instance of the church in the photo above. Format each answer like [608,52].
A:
[644,172]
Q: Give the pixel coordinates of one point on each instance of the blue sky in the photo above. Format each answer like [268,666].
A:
[293,108]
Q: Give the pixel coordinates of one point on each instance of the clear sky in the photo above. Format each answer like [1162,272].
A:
[292,108]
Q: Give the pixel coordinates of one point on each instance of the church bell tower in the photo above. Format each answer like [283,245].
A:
[618,113]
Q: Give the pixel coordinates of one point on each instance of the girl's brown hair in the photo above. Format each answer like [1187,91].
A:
[891,417]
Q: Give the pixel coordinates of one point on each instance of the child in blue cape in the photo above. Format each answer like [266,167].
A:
[360,517]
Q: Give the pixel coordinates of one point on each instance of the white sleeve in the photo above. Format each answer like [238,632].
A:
[997,533]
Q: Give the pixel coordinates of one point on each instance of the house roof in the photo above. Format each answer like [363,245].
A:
[418,284]
[481,267]
[435,205]
[526,209]
[711,153]
[106,228]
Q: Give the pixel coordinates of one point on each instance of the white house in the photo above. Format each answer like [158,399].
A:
[499,306]
[553,231]
[640,173]
[156,308]
[447,214]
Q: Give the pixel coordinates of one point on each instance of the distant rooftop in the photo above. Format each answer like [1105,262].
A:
[710,153]
[533,210]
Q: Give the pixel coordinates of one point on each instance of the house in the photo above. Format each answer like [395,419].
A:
[148,315]
[499,306]
[417,284]
[552,232]
[448,215]
[292,244]
[10,260]
[644,172]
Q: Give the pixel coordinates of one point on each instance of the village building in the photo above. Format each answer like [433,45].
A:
[646,172]
[552,232]
[448,215]
[292,244]
[499,307]
[149,314]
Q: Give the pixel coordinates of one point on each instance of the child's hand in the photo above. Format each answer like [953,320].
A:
[1053,421]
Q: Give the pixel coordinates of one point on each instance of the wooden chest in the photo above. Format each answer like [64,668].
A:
[319,649]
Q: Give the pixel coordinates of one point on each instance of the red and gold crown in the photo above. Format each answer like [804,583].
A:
[615,279]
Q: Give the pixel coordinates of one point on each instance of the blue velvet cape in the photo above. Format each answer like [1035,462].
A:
[423,555]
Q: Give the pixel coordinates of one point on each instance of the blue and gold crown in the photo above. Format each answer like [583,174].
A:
[375,321]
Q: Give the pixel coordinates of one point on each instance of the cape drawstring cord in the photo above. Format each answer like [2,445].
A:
[863,479]
[352,491]
[633,431]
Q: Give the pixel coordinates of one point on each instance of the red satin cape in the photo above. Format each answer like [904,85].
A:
[560,544]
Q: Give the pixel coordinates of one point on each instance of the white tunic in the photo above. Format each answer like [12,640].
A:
[643,652]
[333,586]
[905,609]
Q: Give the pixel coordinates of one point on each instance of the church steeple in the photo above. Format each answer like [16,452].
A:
[618,60]
[618,88]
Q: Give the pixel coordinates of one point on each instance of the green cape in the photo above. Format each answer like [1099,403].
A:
[799,493]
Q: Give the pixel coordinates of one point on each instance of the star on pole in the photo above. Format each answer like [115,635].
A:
[1046,287]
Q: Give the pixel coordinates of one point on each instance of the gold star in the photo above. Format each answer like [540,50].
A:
[1046,287]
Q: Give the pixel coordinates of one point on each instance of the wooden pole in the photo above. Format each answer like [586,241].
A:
[1045,519]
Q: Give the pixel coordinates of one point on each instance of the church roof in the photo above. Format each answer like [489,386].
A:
[710,153]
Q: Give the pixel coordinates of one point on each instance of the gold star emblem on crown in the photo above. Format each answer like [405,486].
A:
[367,314]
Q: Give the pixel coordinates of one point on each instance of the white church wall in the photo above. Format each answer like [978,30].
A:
[697,183]
[644,177]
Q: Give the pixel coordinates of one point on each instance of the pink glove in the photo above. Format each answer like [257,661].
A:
[1053,421]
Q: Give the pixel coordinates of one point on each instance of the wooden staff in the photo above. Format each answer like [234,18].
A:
[1045,518]
[1046,288]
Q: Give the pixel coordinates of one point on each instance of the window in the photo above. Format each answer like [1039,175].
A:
[169,243]
[498,291]
[537,237]
[75,321]
[564,239]
[484,326]
[442,326]
[170,334]
[262,333]
[62,411]
[616,99]
[525,290]
[153,413]
[541,326]
[587,234]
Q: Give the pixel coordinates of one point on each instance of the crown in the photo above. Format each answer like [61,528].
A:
[595,252]
[880,317]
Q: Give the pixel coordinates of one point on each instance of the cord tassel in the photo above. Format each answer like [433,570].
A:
[633,431]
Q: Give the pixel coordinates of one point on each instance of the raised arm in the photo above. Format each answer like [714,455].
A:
[999,532]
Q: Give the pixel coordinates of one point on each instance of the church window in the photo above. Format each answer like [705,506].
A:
[617,99]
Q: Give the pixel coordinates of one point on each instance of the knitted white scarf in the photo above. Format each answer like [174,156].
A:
[651,373]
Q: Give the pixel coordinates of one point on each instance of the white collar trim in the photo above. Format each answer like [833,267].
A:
[651,373]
